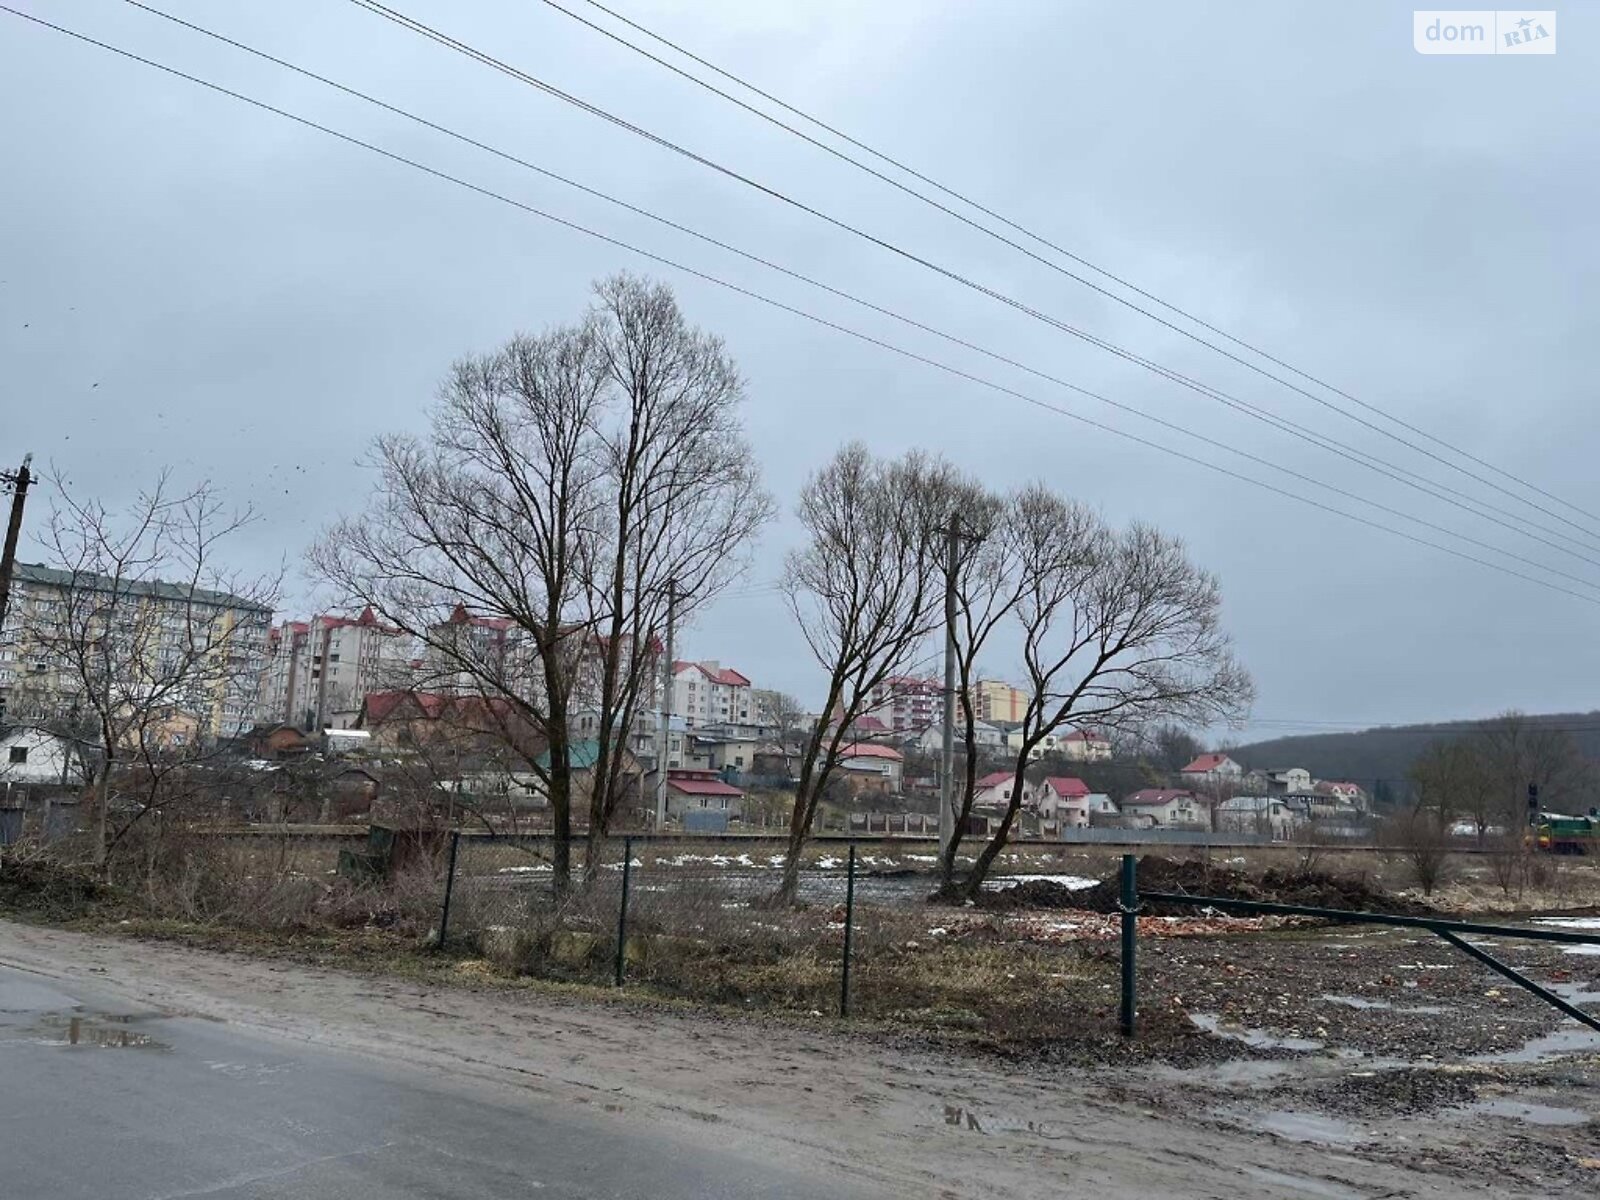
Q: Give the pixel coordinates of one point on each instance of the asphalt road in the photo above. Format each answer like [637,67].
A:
[97,1101]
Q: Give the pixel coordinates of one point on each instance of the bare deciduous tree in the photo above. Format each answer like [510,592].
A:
[782,711]
[571,482]
[1118,629]
[865,591]
[148,649]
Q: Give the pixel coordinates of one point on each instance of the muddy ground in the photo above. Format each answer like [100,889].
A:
[1340,1063]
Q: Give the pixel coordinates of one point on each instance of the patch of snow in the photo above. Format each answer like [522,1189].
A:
[939,932]
[1569,922]
[830,863]
[1075,882]
[525,870]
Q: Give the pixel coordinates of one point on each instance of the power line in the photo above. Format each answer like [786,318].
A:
[1031,235]
[820,321]
[485,59]
[544,172]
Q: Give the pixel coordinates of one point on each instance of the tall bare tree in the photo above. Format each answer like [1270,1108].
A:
[1513,752]
[1118,629]
[865,592]
[987,588]
[146,647]
[572,482]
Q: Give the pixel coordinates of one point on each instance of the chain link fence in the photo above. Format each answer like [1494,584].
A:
[707,922]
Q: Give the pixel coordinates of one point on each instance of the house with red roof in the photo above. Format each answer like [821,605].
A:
[691,791]
[871,767]
[1068,800]
[1212,768]
[993,791]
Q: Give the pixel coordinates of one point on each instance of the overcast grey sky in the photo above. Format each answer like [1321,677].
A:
[188,281]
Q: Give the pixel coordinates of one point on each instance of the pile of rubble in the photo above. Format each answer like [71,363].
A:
[1157,874]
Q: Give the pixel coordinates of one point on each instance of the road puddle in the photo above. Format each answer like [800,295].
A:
[1363,1002]
[1569,1039]
[1260,1039]
[115,1030]
[1310,1127]
[1520,1110]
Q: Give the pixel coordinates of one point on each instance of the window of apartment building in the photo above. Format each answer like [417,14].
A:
[19,754]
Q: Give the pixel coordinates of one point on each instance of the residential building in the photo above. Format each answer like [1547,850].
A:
[707,693]
[1351,793]
[319,671]
[465,649]
[994,790]
[869,766]
[150,625]
[1212,768]
[33,756]
[1068,800]
[907,704]
[1085,745]
[691,791]
[984,736]
[1284,780]
[993,701]
[1045,745]
[1270,815]
[1167,807]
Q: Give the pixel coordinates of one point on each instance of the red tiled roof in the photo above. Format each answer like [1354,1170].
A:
[1206,762]
[431,705]
[460,616]
[702,787]
[870,725]
[1085,735]
[1068,787]
[994,779]
[869,750]
[725,675]
[1155,797]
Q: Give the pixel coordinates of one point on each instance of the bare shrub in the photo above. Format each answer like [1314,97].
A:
[1422,835]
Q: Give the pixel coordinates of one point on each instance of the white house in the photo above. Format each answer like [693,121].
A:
[984,737]
[1212,768]
[1283,780]
[32,756]
[1257,814]
[1069,801]
[1168,807]
[994,790]
[1047,744]
[1085,745]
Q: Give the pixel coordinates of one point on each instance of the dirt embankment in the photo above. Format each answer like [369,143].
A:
[1157,874]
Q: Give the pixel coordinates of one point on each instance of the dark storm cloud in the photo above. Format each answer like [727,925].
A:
[206,286]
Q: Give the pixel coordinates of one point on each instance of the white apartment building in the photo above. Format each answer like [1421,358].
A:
[319,671]
[707,693]
[151,628]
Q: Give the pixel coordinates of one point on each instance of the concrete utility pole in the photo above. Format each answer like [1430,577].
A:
[19,482]
[947,762]
[664,750]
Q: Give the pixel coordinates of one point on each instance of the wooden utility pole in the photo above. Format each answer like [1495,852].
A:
[19,481]
[664,750]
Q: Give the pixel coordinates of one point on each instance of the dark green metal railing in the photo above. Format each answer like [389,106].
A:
[1132,902]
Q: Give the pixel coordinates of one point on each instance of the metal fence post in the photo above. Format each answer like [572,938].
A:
[849,922]
[1130,933]
[449,887]
[622,909]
